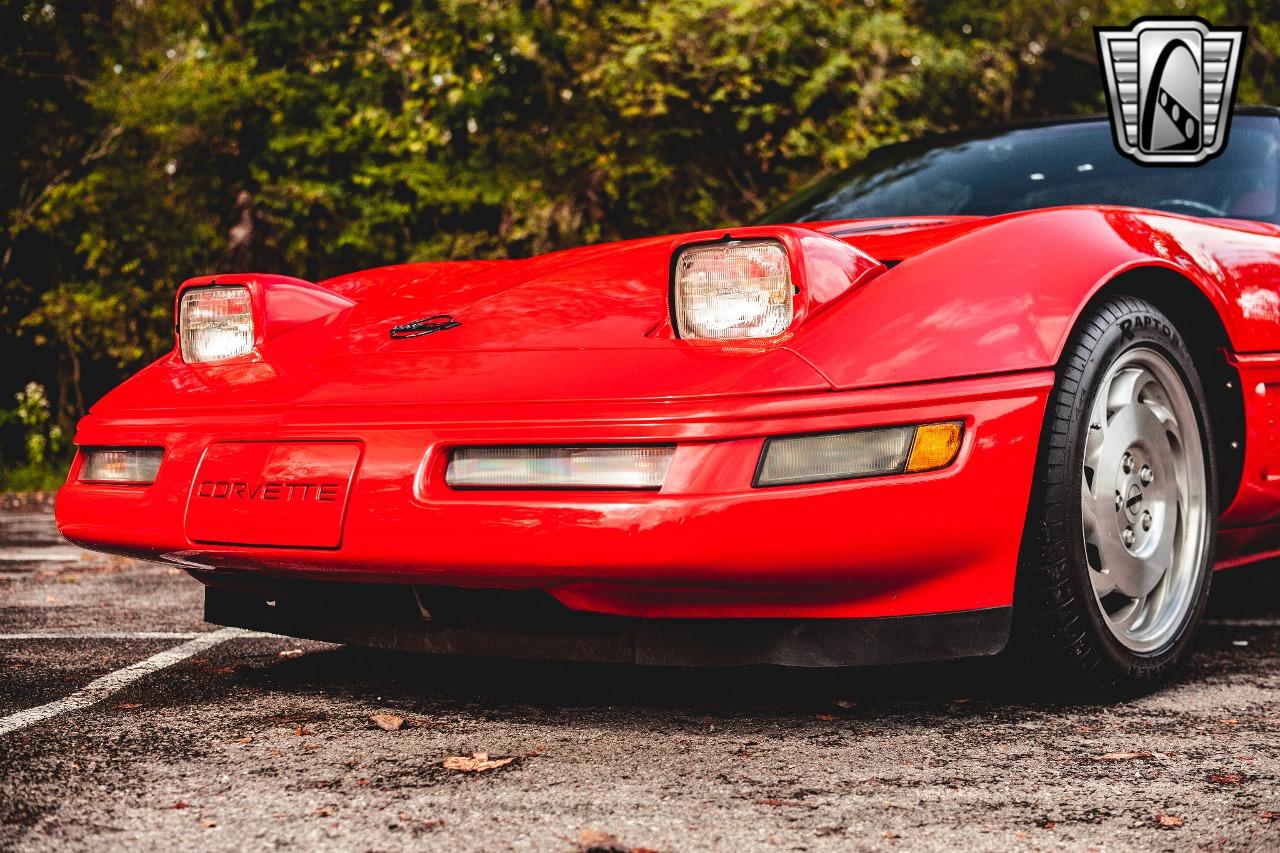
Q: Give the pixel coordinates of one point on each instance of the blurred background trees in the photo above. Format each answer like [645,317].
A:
[146,141]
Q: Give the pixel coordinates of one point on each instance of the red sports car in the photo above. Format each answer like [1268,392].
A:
[976,380]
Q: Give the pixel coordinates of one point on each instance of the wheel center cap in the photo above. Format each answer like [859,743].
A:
[1133,502]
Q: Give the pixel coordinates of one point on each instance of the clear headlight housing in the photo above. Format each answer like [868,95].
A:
[733,290]
[215,323]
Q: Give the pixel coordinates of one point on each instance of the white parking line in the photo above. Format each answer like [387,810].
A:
[119,635]
[104,635]
[99,689]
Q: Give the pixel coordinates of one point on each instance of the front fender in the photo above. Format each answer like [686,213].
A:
[1004,297]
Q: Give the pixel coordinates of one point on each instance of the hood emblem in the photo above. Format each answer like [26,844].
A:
[425,326]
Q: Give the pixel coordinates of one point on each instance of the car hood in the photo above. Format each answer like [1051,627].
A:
[897,239]
[612,295]
[581,324]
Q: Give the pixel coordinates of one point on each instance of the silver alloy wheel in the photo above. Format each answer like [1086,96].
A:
[1143,500]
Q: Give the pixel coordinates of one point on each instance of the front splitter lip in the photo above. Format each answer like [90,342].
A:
[649,642]
[706,545]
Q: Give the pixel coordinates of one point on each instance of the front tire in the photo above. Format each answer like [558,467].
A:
[1117,558]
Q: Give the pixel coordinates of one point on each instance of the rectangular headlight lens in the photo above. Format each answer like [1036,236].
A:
[859,453]
[559,467]
[215,323]
[733,290]
[120,464]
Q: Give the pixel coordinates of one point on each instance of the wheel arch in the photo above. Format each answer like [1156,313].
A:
[1198,320]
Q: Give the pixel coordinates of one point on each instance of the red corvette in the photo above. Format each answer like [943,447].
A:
[971,381]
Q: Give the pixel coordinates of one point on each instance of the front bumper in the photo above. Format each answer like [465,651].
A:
[706,545]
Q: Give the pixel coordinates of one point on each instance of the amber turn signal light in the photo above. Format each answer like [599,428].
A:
[935,446]
[830,457]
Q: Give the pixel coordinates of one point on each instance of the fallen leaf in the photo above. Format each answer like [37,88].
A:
[387,722]
[1121,756]
[179,805]
[826,718]
[1226,778]
[419,823]
[594,841]
[362,782]
[290,653]
[302,731]
[245,739]
[128,706]
[1169,820]
[324,811]
[1230,722]
[477,762]
[209,824]
[1269,815]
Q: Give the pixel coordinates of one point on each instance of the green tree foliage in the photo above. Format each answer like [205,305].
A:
[146,141]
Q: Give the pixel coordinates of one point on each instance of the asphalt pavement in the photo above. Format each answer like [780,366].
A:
[125,722]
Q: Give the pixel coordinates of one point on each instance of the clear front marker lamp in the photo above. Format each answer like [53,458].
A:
[134,465]
[733,290]
[858,453]
[559,467]
[215,323]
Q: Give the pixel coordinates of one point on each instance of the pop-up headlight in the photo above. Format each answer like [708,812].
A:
[733,290]
[215,323]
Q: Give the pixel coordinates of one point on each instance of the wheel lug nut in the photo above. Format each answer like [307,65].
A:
[1127,462]
[1146,520]
[1145,475]
[1127,536]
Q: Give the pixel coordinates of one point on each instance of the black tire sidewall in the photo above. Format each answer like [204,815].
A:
[1130,323]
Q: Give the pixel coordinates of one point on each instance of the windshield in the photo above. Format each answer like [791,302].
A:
[1071,163]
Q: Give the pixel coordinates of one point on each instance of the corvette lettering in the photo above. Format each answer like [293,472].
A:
[269,490]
